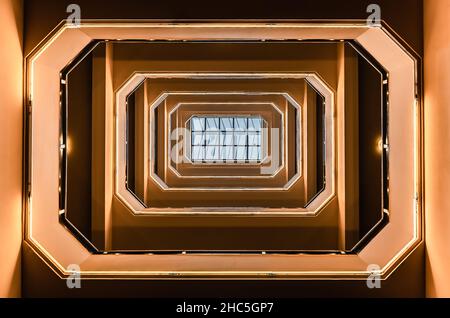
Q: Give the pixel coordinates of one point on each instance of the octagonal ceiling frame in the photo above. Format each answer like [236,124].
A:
[288,184]
[41,226]
[186,157]
[137,207]
[236,162]
[181,176]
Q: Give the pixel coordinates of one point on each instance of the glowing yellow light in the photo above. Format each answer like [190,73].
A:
[68,145]
[379,145]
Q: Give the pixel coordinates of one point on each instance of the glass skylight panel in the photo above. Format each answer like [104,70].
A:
[198,124]
[226,139]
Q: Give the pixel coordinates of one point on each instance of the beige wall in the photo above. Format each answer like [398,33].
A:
[437,146]
[11,21]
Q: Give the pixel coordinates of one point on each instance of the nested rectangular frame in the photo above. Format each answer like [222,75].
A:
[221,111]
[344,267]
[120,136]
[256,108]
[189,112]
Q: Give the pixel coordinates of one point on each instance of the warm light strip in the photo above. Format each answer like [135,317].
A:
[411,246]
[362,24]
